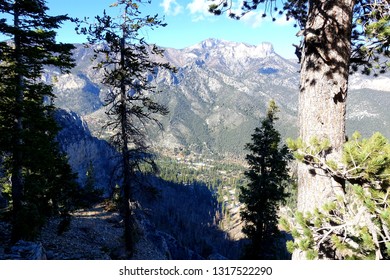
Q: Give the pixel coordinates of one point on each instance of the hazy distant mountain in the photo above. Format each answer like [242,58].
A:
[218,95]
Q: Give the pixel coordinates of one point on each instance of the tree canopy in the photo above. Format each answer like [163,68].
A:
[356,224]
[267,179]
[38,171]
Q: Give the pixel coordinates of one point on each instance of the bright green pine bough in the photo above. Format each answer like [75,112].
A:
[356,224]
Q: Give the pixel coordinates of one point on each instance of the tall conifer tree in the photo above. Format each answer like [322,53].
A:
[27,127]
[127,61]
[261,197]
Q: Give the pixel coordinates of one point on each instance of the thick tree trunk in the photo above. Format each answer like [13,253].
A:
[127,199]
[128,173]
[17,141]
[323,93]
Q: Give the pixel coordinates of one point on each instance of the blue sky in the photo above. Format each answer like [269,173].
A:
[189,22]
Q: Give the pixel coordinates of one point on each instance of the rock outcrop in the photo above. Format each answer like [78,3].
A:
[84,150]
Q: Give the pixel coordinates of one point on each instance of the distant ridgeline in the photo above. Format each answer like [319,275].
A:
[218,95]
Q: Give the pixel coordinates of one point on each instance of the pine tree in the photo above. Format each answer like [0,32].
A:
[267,176]
[127,61]
[356,224]
[27,126]
[90,180]
[90,193]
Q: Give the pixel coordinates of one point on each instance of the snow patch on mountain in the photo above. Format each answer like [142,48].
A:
[359,81]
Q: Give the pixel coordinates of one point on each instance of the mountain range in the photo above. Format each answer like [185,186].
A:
[218,96]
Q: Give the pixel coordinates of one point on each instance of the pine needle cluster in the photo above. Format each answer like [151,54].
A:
[356,224]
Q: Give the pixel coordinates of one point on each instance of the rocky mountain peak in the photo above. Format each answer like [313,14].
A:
[220,91]
[210,43]
[265,48]
[231,49]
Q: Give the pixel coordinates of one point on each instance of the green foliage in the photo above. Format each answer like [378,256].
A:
[40,176]
[127,61]
[291,247]
[368,159]
[379,28]
[371,37]
[267,180]
[356,224]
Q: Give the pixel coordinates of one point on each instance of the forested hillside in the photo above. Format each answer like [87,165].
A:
[220,91]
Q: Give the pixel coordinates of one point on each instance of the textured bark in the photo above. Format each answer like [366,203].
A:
[128,172]
[323,93]
[17,141]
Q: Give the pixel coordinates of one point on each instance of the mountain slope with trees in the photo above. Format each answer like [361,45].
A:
[220,90]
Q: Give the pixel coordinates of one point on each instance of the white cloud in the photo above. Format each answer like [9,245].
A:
[199,9]
[198,6]
[282,21]
[171,7]
[254,18]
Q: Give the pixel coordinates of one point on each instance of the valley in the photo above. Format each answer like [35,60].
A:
[216,99]
[218,95]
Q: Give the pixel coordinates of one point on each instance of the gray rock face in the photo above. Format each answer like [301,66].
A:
[83,149]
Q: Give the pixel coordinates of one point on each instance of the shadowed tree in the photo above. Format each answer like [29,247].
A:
[266,190]
[27,127]
[127,62]
[338,35]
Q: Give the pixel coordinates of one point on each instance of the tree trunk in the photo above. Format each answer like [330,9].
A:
[127,167]
[323,93]
[17,141]
[127,197]
[127,176]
